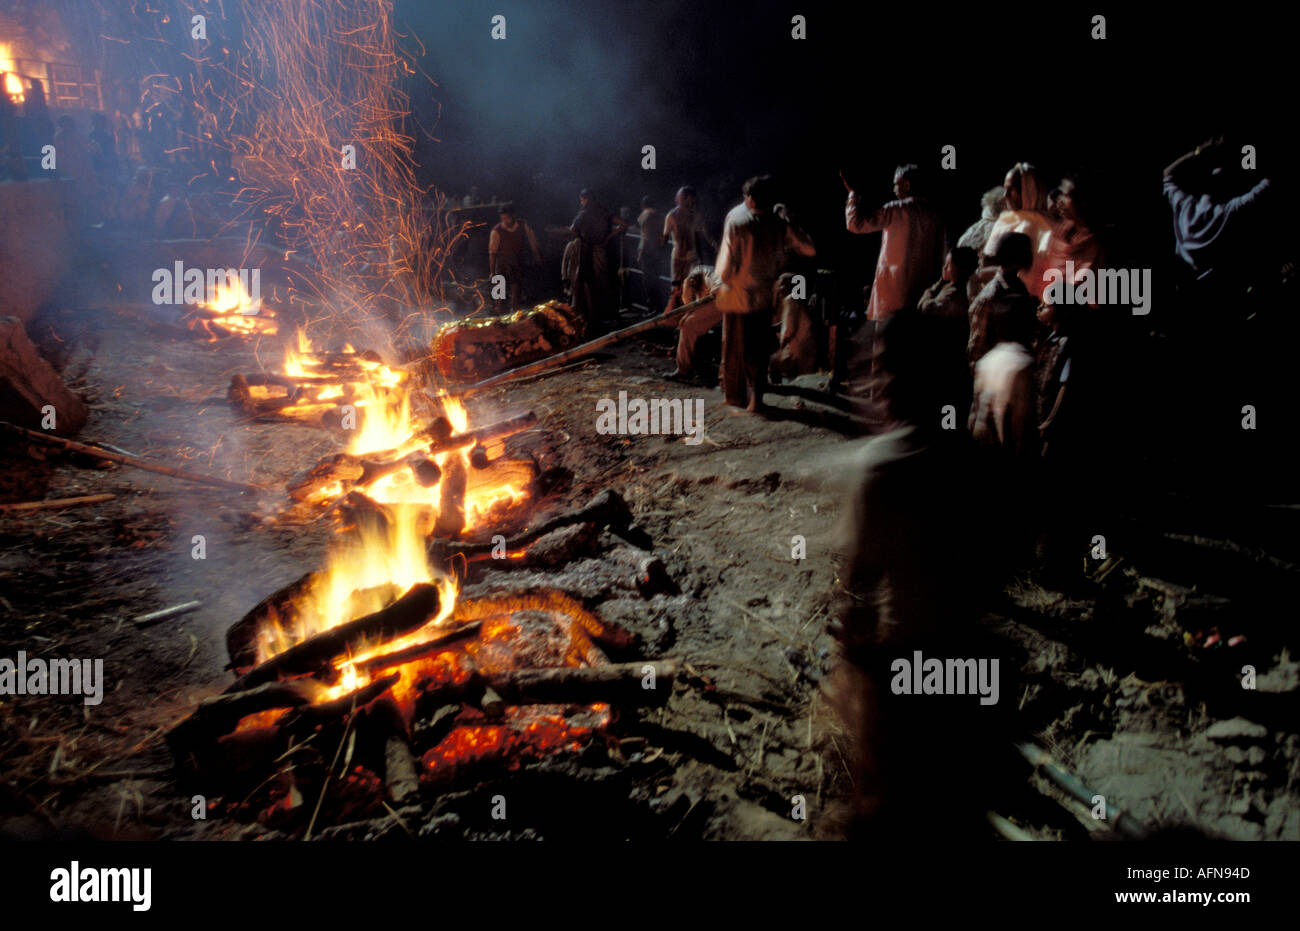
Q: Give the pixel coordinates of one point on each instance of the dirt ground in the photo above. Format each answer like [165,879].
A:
[1111,687]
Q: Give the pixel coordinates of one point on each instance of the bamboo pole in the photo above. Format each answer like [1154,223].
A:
[52,503]
[96,452]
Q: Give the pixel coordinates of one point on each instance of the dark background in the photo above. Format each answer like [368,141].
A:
[723,92]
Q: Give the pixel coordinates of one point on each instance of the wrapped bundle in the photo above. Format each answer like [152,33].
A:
[468,350]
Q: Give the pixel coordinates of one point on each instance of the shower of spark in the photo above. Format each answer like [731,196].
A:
[308,100]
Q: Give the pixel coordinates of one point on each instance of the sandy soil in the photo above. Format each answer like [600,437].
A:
[1110,687]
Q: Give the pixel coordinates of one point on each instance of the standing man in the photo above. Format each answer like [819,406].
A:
[650,254]
[756,241]
[684,227]
[595,227]
[911,247]
[506,246]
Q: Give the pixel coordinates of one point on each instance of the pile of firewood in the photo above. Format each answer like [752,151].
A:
[526,673]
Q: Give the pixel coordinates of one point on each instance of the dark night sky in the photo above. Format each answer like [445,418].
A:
[723,92]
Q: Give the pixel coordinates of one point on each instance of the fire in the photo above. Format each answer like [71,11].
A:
[362,576]
[13,83]
[390,427]
[233,312]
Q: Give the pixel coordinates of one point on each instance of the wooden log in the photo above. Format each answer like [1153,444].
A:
[614,683]
[310,716]
[241,638]
[600,631]
[221,714]
[584,349]
[649,574]
[338,468]
[480,435]
[50,504]
[97,453]
[196,737]
[607,509]
[352,472]
[429,647]
[408,613]
[451,510]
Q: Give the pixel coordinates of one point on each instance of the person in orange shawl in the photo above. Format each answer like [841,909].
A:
[1026,213]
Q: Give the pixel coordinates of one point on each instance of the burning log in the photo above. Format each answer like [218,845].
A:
[585,349]
[311,716]
[486,434]
[349,472]
[451,509]
[97,453]
[337,469]
[436,645]
[408,613]
[241,638]
[205,736]
[607,509]
[222,713]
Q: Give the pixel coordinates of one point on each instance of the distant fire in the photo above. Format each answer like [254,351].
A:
[232,312]
[13,83]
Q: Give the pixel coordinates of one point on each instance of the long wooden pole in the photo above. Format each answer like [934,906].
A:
[51,503]
[98,453]
[583,349]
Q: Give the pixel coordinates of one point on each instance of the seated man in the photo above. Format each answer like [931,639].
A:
[692,327]
[796,352]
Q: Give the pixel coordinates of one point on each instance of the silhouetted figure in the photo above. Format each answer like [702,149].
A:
[684,227]
[74,162]
[1014,257]
[650,255]
[593,292]
[946,303]
[919,570]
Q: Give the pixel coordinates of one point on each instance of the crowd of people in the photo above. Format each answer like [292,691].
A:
[993,392]
[118,162]
[941,518]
